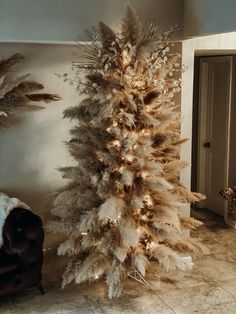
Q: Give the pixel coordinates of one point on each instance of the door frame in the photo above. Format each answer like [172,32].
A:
[202,123]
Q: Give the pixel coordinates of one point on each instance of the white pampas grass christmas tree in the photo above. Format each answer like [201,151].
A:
[122,207]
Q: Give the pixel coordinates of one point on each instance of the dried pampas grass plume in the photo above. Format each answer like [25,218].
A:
[16,94]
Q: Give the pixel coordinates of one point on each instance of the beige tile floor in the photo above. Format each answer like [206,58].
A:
[210,288]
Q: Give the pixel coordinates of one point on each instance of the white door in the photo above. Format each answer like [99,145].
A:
[215,94]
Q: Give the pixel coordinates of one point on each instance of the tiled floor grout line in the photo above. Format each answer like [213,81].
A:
[216,283]
[227,292]
[166,304]
[90,306]
[202,285]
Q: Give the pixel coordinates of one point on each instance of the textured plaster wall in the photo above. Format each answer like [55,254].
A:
[66,20]
[32,148]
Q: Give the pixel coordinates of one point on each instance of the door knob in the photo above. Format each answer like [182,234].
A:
[207,145]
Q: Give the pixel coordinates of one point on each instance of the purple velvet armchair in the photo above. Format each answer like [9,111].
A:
[21,256]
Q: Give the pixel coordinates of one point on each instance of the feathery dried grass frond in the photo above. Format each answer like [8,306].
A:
[107,35]
[111,209]
[141,263]
[169,259]
[192,245]
[115,280]
[7,65]
[71,269]
[44,97]
[187,196]
[16,94]
[27,87]
[91,268]
[131,27]
[190,223]
[8,86]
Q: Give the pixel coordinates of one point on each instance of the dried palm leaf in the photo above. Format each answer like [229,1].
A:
[8,86]
[44,97]
[10,64]
[16,94]
[27,87]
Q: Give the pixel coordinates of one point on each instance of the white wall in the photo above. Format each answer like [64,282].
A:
[66,20]
[31,149]
[202,17]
